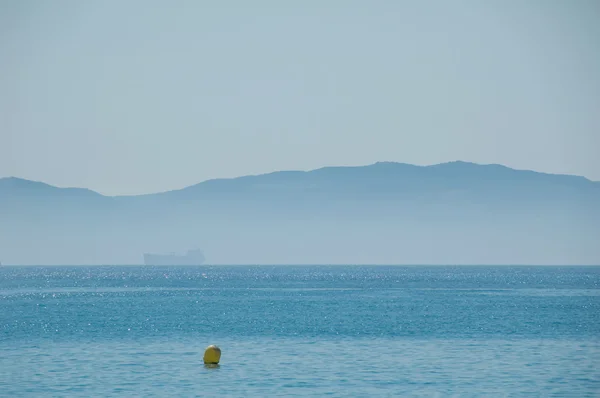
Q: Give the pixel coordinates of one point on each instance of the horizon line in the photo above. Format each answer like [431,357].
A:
[306,265]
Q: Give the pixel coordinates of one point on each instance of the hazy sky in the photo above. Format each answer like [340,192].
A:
[142,96]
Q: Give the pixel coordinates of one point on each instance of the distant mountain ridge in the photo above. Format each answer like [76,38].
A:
[375,176]
[14,185]
[384,213]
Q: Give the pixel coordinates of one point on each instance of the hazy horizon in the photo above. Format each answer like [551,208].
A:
[388,213]
[155,98]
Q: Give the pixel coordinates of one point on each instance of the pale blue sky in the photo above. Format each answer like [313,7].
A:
[140,96]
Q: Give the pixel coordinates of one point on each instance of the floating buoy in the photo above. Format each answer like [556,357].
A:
[212,355]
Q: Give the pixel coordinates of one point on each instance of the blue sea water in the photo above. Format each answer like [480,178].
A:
[300,331]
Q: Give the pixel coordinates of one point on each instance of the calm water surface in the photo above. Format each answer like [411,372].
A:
[300,331]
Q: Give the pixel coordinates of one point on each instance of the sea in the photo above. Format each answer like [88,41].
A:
[300,331]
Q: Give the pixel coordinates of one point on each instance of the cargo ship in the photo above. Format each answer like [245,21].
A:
[192,257]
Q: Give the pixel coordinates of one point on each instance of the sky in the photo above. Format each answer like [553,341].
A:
[140,96]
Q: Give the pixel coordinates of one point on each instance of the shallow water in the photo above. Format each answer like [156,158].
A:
[300,331]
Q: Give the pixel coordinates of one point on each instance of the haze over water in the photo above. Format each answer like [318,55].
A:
[270,132]
[300,331]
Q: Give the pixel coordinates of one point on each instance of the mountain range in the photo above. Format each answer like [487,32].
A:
[384,213]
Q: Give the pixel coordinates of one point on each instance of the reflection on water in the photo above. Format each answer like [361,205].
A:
[300,331]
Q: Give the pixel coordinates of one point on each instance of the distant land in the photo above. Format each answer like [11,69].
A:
[384,213]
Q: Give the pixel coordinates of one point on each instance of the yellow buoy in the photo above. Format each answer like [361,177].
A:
[212,355]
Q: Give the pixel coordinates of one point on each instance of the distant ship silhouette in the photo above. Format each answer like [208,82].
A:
[192,257]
